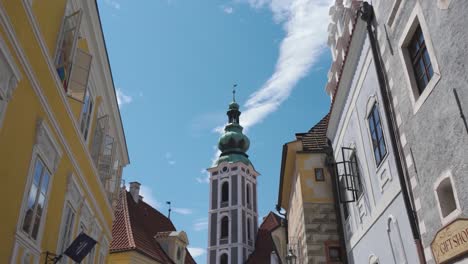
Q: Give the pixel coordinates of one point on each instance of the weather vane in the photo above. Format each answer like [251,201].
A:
[234,92]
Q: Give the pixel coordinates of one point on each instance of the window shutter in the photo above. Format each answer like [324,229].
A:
[67,45]
[106,159]
[98,140]
[79,74]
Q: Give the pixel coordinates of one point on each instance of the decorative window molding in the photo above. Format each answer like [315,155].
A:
[224,257]
[395,240]
[47,146]
[87,113]
[374,123]
[447,197]
[224,228]
[46,152]
[224,194]
[417,20]
[373,259]
[395,12]
[9,78]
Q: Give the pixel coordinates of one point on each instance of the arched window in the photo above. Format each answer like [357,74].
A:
[224,227]
[248,194]
[223,259]
[225,194]
[249,231]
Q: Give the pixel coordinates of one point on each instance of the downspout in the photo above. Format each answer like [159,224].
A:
[367,15]
[329,162]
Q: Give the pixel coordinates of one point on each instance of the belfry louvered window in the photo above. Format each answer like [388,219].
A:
[225,194]
[349,178]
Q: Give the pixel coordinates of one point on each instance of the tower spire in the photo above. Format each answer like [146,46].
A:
[234,92]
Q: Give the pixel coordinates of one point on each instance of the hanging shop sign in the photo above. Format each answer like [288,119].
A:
[451,241]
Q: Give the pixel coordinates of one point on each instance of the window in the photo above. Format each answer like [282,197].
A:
[224,227]
[225,194]
[223,259]
[446,197]
[378,141]
[356,175]
[319,174]
[334,254]
[249,229]
[343,194]
[9,76]
[67,228]
[420,60]
[36,199]
[73,64]
[86,113]
[248,194]
[179,253]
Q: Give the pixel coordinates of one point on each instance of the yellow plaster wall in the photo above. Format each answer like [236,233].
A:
[312,190]
[17,133]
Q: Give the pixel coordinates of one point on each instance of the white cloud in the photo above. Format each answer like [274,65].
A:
[112,3]
[228,9]
[182,211]
[205,178]
[149,198]
[169,159]
[305,23]
[123,98]
[201,224]
[196,252]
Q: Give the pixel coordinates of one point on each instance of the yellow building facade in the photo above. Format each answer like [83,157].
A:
[62,144]
[306,194]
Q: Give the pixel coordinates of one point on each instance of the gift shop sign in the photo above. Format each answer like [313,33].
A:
[451,241]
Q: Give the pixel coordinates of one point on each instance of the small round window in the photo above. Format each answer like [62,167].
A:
[225,169]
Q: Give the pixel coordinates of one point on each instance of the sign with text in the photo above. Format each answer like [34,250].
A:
[80,247]
[451,241]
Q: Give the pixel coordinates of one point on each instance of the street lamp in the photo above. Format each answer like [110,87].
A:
[291,258]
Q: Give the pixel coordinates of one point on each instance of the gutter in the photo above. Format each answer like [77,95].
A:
[367,15]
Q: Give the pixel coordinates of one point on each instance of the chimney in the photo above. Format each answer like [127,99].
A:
[135,191]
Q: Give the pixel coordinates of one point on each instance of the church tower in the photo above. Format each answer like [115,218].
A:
[233,197]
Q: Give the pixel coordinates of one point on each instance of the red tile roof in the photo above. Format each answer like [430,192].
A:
[264,244]
[316,138]
[135,226]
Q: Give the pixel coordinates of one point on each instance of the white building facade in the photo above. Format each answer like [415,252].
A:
[232,213]
[376,224]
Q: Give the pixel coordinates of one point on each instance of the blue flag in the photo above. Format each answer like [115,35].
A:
[80,247]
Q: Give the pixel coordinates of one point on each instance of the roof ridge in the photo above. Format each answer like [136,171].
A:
[128,225]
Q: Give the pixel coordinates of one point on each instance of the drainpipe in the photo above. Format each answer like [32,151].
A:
[330,161]
[367,14]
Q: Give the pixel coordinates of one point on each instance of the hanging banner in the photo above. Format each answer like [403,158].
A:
[451,241]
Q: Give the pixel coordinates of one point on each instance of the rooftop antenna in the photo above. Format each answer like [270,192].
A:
[169,214]
[234,92]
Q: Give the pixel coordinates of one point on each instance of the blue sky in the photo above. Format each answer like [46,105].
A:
[174,62]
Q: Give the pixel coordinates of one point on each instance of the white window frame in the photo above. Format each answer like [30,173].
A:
[373,100]
[88,124]
[393,222]
[455,213]
[224,251]
[417,19]
[47,149]
[7,86]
